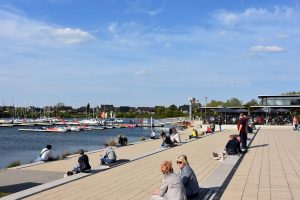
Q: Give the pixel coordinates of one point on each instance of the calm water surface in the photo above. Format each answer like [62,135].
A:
[26,146]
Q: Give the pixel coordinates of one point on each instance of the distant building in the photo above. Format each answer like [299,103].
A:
[290,102]
[107,108]
[184,108]
[124,109]
[280,100]
[149,110]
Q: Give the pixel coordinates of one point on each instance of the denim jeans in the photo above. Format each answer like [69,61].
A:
[106,161]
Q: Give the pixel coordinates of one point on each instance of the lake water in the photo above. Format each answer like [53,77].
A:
[26,146]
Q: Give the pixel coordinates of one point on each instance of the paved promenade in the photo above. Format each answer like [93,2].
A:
[270,170]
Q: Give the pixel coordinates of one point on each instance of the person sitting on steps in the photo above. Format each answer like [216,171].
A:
[46,154]
[166,140]
[109,156]
[194,134]
[232,148]
[83,163]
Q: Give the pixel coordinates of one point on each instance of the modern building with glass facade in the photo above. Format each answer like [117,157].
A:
[283,101]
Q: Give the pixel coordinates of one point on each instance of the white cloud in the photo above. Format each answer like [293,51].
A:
[142,73]
[19,28]
[112,27]
[146,7]
[267,49]
[282,36]
[69,36]
[226,18]
[257,15]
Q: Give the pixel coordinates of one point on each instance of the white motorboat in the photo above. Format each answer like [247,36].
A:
[75,128]
[89,122]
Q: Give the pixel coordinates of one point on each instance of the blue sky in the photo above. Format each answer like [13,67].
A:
[146,52]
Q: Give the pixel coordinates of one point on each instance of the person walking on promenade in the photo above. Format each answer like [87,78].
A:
[188,178]
[220,124]
[295,123]
[171,186]
[242,124]
[46,154]
[109,156]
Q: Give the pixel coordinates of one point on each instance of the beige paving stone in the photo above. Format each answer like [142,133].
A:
[253,180]
[278,180]
[250,190]
[286,195]
[249,197]
[295,193]
[273,159]
[232,195]
[264,194]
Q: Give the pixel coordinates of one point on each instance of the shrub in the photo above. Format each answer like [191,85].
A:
[111,142]
[65,154]
[142,138]
[14,164]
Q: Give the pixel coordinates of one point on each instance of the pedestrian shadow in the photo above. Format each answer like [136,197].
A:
[18,187]
[207,193]
[255,146]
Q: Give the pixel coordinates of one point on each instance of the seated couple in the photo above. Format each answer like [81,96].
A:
[167,142]
[109,156]
[122,140]
[82,166]
[232,148]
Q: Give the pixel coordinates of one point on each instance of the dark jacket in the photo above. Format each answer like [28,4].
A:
[233,147]
[189,180]
[84,163]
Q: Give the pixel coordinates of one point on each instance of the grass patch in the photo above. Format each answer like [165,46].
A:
[14,164]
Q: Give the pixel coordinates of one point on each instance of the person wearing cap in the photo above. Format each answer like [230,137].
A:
[46,154]
[109,156]
[83,162]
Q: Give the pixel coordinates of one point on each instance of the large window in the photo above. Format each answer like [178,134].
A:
[280,101]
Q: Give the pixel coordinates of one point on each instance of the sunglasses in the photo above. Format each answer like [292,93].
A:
[179,162]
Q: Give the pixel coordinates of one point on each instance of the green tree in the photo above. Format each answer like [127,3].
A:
[233,102]
[215,103]
[252,102]
[88,107]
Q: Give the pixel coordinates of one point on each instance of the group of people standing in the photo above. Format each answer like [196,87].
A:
[181,186]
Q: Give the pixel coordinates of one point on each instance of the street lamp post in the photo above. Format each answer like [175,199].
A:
[191,101]
[205,108]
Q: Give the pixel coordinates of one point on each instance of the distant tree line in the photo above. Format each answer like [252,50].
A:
[63,111]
